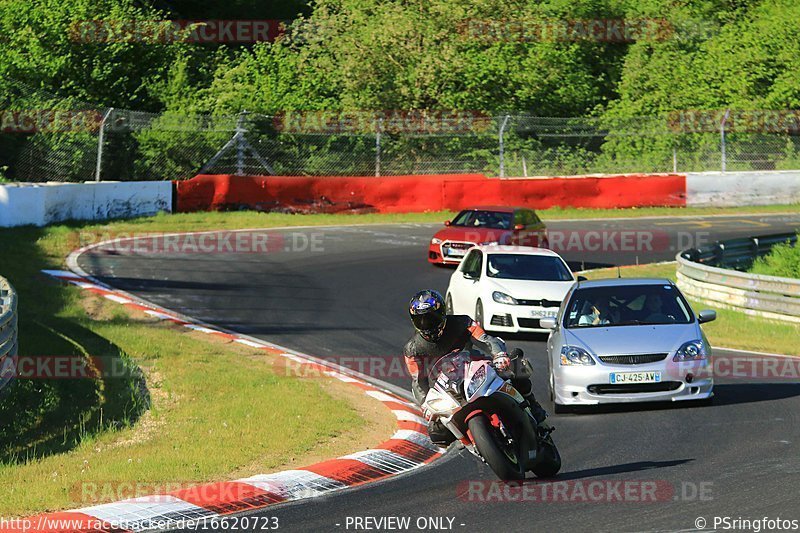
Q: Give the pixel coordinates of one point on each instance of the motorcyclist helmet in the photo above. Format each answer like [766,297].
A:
[428,313]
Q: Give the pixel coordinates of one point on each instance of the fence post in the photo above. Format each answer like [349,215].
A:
[378,128]
[502,147]
[674,160]
[240,145]
[100,139]
[722,137]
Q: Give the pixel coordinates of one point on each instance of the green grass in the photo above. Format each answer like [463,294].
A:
[253,219]
[783,260]
[732,329]
[215,409]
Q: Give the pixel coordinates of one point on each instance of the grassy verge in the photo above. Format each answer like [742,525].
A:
[732,329]
[252,219]
[783,260]
[216,410]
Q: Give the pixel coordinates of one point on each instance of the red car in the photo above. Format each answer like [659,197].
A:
[482,225]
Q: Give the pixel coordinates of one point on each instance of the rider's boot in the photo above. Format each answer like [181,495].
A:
[539,414]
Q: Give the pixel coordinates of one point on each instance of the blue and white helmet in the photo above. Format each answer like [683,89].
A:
[428,314]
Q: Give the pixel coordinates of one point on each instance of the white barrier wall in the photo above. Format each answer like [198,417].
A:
[40,204]
[742,188]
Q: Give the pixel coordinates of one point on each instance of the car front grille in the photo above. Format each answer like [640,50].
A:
[540,303]
[458,245]
[636,359]
[634,388]
[529,323]
[461,247]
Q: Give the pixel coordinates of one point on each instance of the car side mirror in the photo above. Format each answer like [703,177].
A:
[547,323]
[446,222]
[518,227]
[707,315]
[582,278]
[470,275]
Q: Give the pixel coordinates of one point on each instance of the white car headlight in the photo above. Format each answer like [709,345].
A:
[477,381]
[691,351]
[436,241]
[574,356]
[503,298]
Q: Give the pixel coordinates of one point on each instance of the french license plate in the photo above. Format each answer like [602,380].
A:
[539,313]
[635,377]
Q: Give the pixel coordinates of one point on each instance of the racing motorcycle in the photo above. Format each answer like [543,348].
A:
[489,416]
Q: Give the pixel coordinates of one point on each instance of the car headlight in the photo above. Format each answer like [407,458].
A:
[503,298]
[478,379]
[574,356]
[691,351]
[436,241]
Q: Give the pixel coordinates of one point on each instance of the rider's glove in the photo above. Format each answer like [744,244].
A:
[501,361]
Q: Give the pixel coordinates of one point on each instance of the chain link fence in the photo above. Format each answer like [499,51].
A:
[44,138]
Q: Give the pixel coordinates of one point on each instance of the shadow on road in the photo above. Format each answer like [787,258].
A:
[625,468]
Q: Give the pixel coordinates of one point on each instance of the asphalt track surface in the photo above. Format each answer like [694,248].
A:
[341,293]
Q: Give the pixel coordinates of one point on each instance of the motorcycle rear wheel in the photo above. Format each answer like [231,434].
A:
[505,462]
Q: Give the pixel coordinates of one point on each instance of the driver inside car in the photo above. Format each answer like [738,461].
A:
[438,334]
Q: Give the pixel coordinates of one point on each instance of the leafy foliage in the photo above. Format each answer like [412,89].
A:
[783,261]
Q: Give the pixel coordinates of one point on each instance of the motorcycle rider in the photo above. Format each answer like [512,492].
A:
[438,334]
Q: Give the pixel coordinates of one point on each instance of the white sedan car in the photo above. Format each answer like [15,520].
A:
[509,288]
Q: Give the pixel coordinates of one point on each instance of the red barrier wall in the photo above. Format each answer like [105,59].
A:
[398,194]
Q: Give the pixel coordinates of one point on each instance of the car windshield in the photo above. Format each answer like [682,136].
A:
[627,305]
[527,267]
[483,219]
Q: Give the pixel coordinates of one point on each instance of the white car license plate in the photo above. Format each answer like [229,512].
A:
[635,377]
[538,313]
[453,252]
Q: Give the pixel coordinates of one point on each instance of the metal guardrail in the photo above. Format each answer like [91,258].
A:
[8,329]
[709,274]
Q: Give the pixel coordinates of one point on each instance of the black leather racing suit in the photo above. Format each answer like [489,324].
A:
[460,332]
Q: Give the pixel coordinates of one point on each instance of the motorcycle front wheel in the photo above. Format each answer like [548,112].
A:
[503,457]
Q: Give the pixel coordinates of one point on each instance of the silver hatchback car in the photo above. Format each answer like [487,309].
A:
[627,340]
